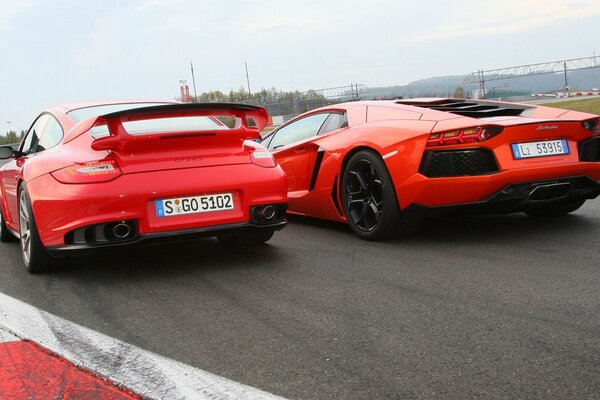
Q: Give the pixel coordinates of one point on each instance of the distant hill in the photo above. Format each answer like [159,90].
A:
[445,86]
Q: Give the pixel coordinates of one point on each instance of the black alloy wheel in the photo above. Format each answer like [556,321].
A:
[369,197]
[35,256]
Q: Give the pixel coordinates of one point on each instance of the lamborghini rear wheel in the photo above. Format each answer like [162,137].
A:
[369,197]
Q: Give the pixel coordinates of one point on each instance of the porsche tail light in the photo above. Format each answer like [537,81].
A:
[465,135]
[592,125]
[89,172]
[259,155]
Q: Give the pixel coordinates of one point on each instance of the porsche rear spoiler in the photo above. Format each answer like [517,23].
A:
[118,137]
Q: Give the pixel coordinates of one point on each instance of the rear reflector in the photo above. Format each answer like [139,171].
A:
[466,135]
[259,155]
[592,125]
[89,172]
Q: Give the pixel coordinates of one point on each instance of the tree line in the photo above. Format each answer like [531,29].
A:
[263,96]
[11,137]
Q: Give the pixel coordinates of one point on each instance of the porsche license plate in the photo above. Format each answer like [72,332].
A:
[193,204]
[540,149]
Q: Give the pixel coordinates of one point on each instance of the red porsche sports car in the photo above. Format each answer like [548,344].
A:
[382,166]
[96,175]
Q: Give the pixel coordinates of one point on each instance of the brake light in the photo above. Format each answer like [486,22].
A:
[592,125]
[466,135]
[89,172]
[259,154]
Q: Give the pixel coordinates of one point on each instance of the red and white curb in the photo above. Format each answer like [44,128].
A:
[6,336]
[561,95]
[142,372]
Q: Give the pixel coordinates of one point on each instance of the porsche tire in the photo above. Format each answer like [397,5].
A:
[35,256]
[5,234]
[246,238]
[555,210]
[369,198]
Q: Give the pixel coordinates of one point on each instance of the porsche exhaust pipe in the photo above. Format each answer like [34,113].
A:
[268,213]
[121,230]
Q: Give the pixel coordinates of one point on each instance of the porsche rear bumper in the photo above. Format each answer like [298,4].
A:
[164,237]
[61,209]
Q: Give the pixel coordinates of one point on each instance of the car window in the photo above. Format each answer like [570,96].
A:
[298,130]
[333,122]
[30,143]
[51,135]
[162,125]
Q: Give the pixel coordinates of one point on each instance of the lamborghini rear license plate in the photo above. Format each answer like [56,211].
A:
[540,149]
[193,205]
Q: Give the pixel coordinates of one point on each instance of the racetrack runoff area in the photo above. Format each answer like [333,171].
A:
[486,307]
[43,356]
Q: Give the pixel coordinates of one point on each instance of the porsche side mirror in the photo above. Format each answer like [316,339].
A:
[6,152]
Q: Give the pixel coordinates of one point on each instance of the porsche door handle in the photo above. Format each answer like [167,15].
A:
[300,150]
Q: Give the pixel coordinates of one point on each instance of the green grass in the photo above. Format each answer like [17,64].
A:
[591,106]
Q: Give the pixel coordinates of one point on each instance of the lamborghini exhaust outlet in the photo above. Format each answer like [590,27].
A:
[550,192]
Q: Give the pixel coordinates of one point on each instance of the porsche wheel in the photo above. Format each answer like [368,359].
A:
[246,238]
[5,234]
[369,197]
[555,210]
[35,257]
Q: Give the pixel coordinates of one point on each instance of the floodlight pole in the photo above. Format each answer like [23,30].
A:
[194,81]
[248,79]
[482,83]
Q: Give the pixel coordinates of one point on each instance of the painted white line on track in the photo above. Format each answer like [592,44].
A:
[145,373]
[6,336]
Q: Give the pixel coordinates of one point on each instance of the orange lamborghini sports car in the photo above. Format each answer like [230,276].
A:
[381,166]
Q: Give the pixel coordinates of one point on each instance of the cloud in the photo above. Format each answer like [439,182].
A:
[150,5]
[511,16]
[103,43]
[10,9]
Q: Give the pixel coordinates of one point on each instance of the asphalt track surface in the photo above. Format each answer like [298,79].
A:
[487,307]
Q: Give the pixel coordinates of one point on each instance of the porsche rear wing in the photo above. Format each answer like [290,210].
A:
[119,138]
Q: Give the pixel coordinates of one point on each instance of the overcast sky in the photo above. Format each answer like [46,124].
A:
[62,51]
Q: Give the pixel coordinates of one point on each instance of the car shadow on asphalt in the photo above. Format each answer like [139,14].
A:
[319,223]
[506,227]
[176,258]
[207,255]
[466,228]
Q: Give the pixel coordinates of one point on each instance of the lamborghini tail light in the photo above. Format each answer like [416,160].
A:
[592,125]
[465,135]
[89,172]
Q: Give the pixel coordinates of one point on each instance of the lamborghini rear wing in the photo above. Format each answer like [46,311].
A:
[118,137]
